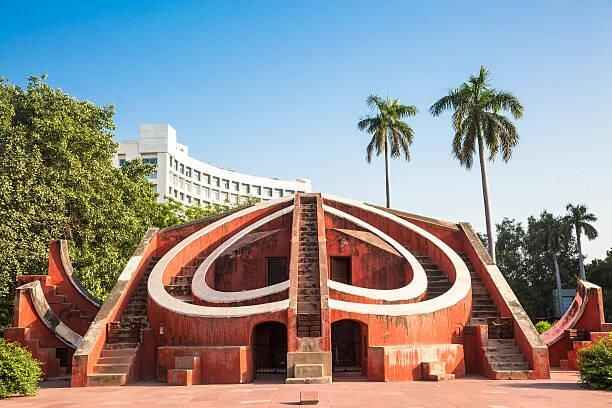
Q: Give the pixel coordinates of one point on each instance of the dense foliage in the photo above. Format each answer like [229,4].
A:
[543,326]
[57,181]
[595,364]
[526,259]
[19,371]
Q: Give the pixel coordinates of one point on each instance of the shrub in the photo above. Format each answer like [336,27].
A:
[595,364]
[19,371]
[542,326]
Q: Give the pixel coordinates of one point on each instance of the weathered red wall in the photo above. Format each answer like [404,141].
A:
[247,269]
[371,267]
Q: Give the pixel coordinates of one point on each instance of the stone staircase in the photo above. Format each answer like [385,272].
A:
[437,281]
[180,285]
[69,313]
[505,359]
[116,363]
[309,292]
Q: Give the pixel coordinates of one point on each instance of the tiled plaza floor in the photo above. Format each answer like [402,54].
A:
[560,391]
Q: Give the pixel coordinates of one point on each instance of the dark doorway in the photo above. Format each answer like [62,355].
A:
[341,269]
[270,348]
[278,270]
[348,347]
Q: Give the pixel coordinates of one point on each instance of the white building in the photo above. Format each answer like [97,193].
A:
[194,182]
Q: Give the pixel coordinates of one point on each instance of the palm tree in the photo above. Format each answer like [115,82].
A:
[579,217]
[390,134]
[477,123]
[554,233]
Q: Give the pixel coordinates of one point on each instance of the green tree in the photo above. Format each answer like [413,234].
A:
[391,135]
[478,124]
[553,231]
[57,181]
[580,218]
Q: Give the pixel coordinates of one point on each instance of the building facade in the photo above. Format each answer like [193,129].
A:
[193,182]
[306,288]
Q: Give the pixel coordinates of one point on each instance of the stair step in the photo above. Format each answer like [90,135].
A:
[111,368]
[106,379]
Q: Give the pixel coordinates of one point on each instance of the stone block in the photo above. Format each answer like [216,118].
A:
[186,362]
[178,376]
[309,357]
[310,380]
[308,370]
[309,397]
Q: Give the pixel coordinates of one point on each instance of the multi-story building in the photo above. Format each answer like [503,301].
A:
[193,182]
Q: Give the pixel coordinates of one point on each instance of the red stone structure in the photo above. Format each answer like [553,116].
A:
[309,288]
[582,324]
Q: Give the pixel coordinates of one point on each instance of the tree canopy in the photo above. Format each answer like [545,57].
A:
[57,181]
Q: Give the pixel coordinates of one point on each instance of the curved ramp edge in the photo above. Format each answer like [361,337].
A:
[68,271]
[573,314]
[46,315]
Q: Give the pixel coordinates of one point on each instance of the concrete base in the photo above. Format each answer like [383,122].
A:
[308,370]
[309,380]
[309,367]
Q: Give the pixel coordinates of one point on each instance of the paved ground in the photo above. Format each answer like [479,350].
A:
[561,390]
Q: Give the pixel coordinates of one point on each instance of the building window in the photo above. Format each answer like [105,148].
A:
[206,192]
[206,178]
[267,191]
[175,193]
[216,195]
[235,186]
[196,189]
[197,175]
[182,197]
[289,192]
[189,199]
[176,165]
[170,190]
[197,201]
[122,160]
[188,183]
[234,199]
[170,161]
[278,192]
[216,181]
[224,197]
[226,184]
[257,190]
[245,188]
[278,270]
[341,269]
[182,168]
[188,172]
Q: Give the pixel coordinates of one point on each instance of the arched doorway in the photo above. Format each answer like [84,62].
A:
[349,351]
[270,349]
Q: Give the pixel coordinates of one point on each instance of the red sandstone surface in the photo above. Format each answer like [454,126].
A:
[561,390]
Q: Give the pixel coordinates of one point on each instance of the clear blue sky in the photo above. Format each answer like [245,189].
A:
[276,89]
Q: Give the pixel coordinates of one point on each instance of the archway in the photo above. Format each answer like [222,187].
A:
[349,348]
[270,349]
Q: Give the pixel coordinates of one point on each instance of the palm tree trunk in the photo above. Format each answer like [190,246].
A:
[580,258]
[387,174]
[485,194]
[558,279]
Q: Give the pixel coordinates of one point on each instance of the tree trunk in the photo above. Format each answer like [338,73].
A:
[580,258]
[387,174]
[558,279]
[485,194]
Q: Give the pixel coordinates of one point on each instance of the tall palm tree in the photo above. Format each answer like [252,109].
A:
[478,124]
[580,218]
[554,233]
[390,134]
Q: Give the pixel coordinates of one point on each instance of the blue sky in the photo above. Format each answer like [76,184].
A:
[276,89]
